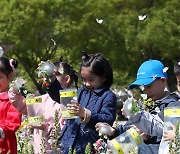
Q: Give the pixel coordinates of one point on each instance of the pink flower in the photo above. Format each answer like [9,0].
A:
[99,143]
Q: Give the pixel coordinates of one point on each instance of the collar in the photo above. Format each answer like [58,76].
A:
[4,96]
[98,90]
[171,97]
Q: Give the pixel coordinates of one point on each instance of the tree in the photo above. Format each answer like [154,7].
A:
[113,28]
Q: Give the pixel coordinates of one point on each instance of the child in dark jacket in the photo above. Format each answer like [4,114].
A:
[152,79]
[96,103]
[169,135]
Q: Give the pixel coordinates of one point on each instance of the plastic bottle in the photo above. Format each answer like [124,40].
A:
[125,142]
[104,129]
[34,111]
[46,73]
[171,116]
[66,95]
[127,107]
[47,67]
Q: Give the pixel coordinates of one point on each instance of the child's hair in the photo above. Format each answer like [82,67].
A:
[100,66]
[67,70]
[177,68]
[7,66]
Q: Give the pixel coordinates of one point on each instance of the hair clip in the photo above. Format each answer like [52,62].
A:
[10,62]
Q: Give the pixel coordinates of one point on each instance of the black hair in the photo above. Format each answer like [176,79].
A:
[100,66]
[68,70]
[177,68]
[7,66]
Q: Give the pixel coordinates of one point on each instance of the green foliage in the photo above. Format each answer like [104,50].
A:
[121,37]
[24,140]
[43,145]
[54,136]
[88,149]
[135,108]
[174,146]
[71,151]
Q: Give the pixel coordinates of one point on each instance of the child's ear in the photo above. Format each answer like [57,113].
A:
[68,79]
[10,76]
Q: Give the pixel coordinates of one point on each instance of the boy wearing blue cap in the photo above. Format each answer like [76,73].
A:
[152,79]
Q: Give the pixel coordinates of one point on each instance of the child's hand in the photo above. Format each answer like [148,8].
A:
[142,134]
[75,108]
[105,128]
[41,126]
[169,135]
[39,65]
[17,86]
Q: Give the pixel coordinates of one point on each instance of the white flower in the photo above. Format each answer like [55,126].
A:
[50,141]
[142,87]
[144,96]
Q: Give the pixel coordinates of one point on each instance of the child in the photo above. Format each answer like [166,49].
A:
[177,74]
[10,118]
[169,135]
[66,76]
[96,103]
[152,79]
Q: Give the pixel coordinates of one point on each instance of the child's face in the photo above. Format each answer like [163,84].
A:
[4,82]
[91,80]
[178,82]
[156,90]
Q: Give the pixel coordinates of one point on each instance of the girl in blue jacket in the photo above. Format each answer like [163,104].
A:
[96,103]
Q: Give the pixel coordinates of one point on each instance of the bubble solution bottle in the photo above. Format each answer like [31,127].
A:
[127,107]
[34,110]
[46,73]
[125,142]
[66,95]
[171,116]
[47,67]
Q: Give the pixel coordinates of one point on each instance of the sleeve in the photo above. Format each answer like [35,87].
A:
[12,121]
[122,128]
[107,112]
[153,140]
[148,123]
[53,90]
[18,101]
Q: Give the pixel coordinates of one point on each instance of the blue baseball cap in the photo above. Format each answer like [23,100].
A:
[148,72]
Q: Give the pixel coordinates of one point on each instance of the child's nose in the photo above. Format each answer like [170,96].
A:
[87,84]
